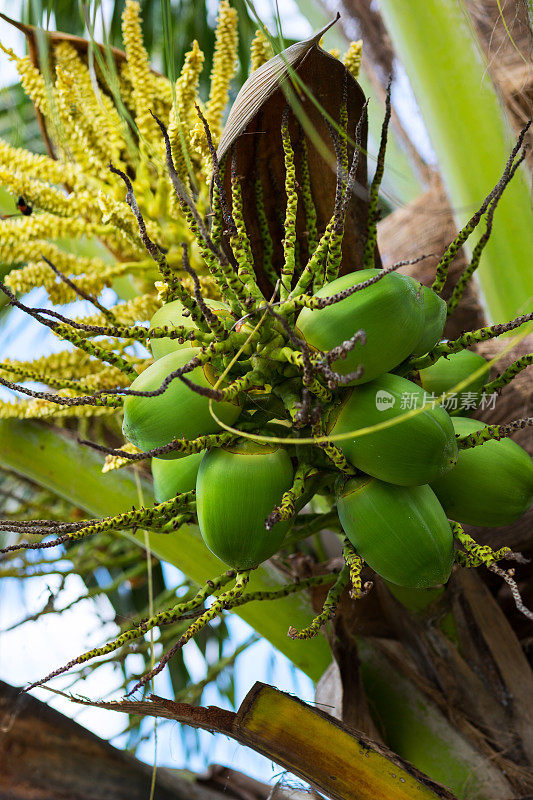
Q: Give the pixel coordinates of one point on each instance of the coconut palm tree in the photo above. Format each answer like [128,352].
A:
[439,676]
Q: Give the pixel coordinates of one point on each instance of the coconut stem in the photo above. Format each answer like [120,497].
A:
[329,608]
[373,210]
[453,248]
[355,564]
[334,453]
[508,375]
[222,602]
[478,438]
[287,508]
[469,270]
[140,517]
[138,631]
[462,342]
[184,446]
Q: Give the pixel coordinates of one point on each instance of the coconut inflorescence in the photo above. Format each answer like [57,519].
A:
[329,376]
[335,383]
[319,374]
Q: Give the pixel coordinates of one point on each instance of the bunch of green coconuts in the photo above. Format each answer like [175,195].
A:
[392,468]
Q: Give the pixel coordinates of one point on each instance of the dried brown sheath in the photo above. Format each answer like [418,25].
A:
[253,134]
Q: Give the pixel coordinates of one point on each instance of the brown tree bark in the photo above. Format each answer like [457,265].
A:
[46,756]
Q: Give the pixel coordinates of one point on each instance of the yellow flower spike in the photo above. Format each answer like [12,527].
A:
[47,168]
[186,93]
[139,71]
[98,115]
[224,67]
[178,156]
[352,58]
[91,274]
[116,462]
[73,135]
[107,378]
[49,226]
[68,364]
[163,291]
[13,410]
[32,275]
[39,274]
[200,146]
[11,373]
[208,285]
[93,284]
[335,52]
[96,207]
[31,79]
[120,135]
[20,252]
[151,187]
[36,193]
[260,51]
[41,409]
[49,198]
[144,176]
[22,240]
[162,91]
[187,83]
[125,85]
[119,214]
[159,205]
[140,308]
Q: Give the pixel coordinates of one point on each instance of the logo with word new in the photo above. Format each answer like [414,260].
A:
[384,400]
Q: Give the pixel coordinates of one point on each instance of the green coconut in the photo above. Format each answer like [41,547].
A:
[435,311]
[179,412]
[236,489]
[490,485]
[172,477]
[401,532]
[447,373]
[414,451]
[390,312]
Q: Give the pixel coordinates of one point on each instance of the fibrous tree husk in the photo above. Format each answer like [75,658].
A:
[427,226]
[469,690]
[505,34]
